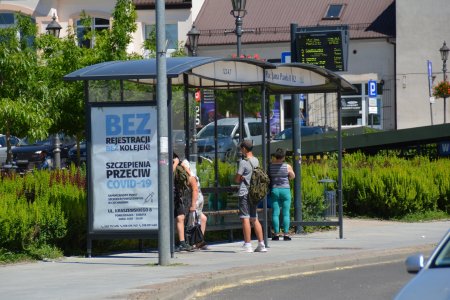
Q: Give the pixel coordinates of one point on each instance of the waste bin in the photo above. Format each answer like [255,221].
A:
[329,197]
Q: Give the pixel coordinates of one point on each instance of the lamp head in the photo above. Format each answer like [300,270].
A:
[239,8]
[193,36]
[444,52]
[53,27]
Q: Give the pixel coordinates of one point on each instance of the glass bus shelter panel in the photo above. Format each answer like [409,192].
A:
[118,90]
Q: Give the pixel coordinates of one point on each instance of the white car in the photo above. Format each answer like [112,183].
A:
[227,137]
[13,141]
[433,278]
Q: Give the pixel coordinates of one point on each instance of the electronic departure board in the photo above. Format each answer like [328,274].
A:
[324,48]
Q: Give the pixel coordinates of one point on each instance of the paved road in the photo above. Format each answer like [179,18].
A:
[379,281]
[136,275]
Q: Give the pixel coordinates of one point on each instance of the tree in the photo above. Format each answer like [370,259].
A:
[63,56]
[23,96]
[228,101]
[60,57]
[112,44]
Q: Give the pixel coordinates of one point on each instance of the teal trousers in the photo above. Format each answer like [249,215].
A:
[281,200]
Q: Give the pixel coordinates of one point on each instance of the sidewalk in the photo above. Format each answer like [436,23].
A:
[137,275]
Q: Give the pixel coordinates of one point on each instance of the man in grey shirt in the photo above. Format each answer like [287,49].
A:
[247,211]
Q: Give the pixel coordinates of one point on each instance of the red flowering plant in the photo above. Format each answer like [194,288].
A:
[442,89]
[255,56]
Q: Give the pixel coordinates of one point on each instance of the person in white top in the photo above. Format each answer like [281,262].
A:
[200,201]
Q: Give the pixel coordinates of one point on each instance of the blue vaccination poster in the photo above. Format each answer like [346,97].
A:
[124,168]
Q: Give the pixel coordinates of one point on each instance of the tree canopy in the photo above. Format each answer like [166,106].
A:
[35,102]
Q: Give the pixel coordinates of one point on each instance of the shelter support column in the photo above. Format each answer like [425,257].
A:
[264,108]
[341,211]
[163,139]
[187,131]
[296,160]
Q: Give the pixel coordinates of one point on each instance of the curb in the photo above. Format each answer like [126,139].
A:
[191,288]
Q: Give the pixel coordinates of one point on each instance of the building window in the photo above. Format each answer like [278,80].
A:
[9,19]
[171,35]
[97,25]
[334,12]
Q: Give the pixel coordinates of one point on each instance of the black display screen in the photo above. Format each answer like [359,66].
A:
[326,49]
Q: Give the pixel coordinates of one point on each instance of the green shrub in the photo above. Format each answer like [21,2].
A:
[46,211]
[43,209]
[387,186]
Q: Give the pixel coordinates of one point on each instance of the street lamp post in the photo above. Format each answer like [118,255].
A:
[238,13]
[444,55]
[54,29]
[193,36]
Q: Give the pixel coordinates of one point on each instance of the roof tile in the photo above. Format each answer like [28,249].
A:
[268,21]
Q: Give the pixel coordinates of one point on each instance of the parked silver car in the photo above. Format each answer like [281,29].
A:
[433,278]
[227,137]
[14,141]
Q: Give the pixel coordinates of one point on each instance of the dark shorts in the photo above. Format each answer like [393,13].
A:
[246,209]
[182,206]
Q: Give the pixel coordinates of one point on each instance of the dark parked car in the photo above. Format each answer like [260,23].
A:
[28,155]
[304,131]
[72,155]
[179,142]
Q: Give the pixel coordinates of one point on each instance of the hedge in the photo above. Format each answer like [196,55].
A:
[49,208]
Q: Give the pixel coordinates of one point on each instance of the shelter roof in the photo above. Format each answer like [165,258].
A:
[217,73]
[136,69]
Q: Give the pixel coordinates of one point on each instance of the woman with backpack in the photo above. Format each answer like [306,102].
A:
[280,173]
[202,219]
[185,200]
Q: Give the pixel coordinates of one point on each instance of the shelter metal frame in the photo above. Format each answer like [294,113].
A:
[216,73]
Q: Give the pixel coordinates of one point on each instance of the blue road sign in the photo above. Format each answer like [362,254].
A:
[372,84]
[444,148]
[430,78]
[286,57]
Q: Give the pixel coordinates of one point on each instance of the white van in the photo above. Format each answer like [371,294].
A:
[227,137]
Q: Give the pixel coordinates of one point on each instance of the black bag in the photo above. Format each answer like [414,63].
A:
[194,235]
[193,232]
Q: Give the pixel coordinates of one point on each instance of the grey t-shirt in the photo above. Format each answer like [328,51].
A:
[245,170]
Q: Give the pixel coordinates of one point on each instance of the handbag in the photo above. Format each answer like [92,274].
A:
[193,232]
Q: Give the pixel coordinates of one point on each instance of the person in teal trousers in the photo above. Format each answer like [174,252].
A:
[280,173]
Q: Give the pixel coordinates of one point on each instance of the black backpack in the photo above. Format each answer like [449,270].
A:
[181,181]
[259,185]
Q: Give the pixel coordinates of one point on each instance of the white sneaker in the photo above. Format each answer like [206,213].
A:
[247,248]
[261,248]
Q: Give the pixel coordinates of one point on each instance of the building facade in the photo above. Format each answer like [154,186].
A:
[390,42]
[422,27]
[68,14]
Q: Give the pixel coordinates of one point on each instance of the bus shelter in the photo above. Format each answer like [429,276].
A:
[121,130]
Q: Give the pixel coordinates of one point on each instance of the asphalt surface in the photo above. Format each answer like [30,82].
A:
[137,275]
[379,281]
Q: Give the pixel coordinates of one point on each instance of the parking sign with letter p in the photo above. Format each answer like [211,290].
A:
[372,86]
